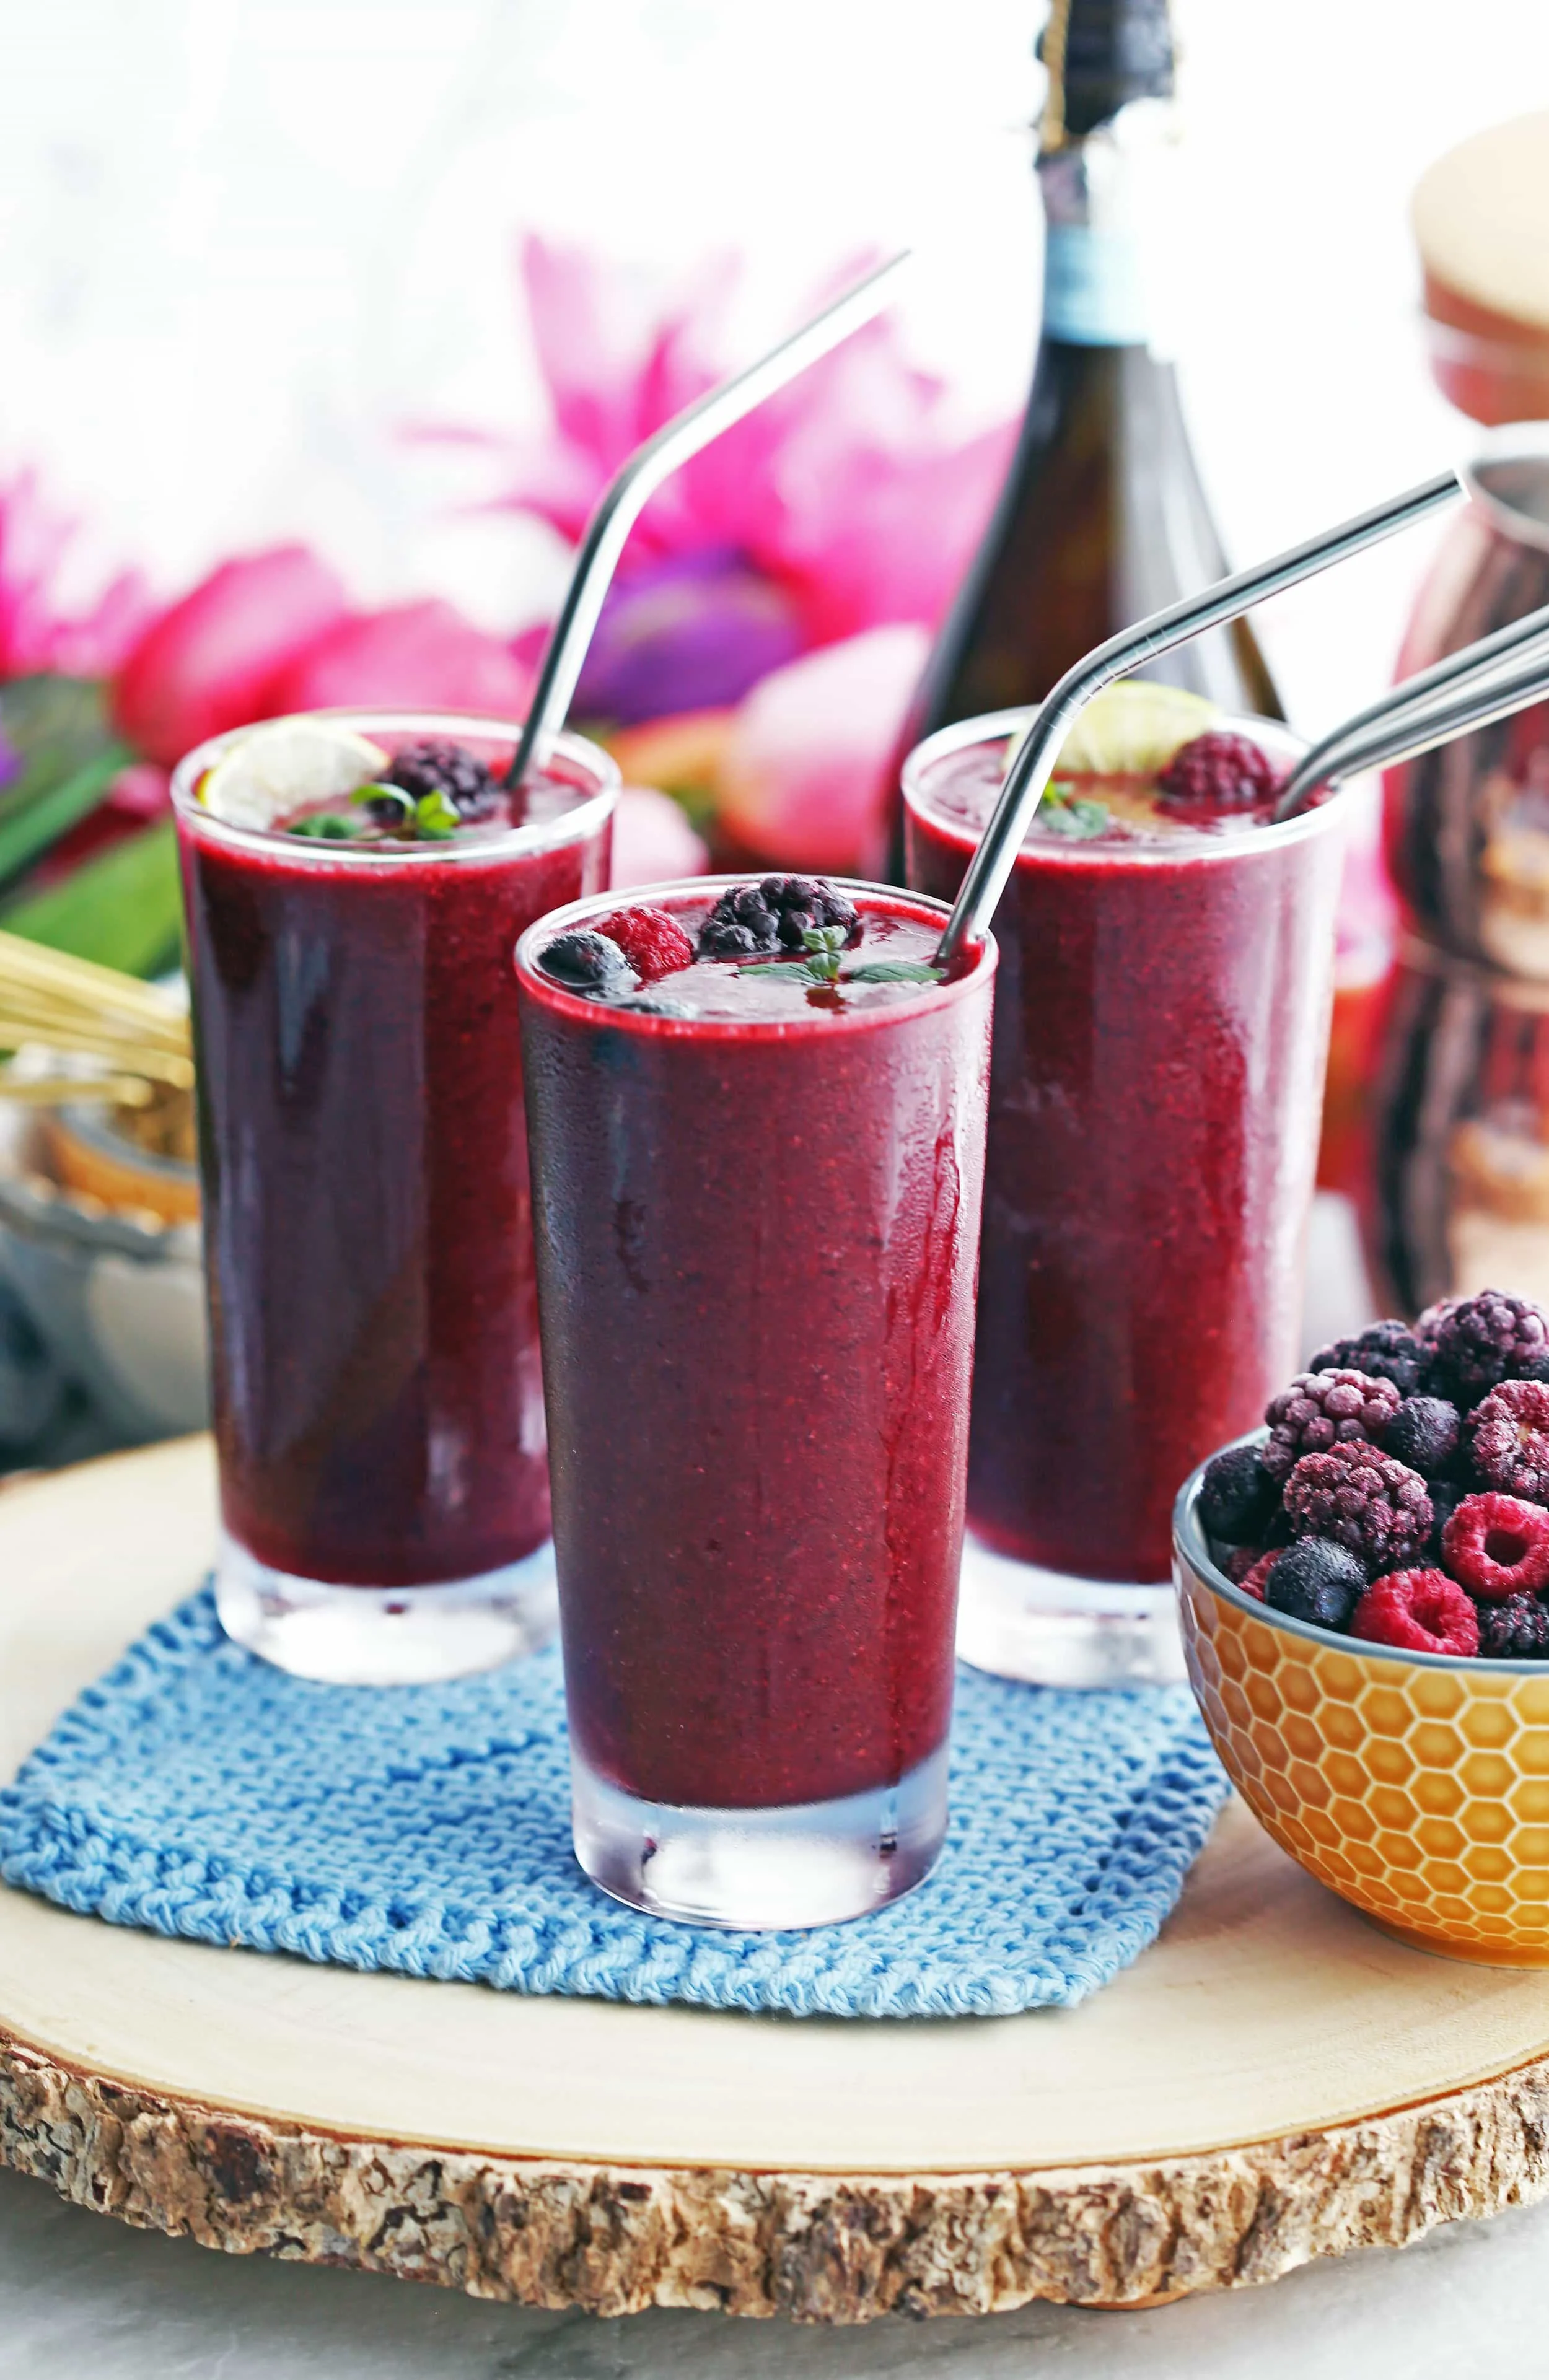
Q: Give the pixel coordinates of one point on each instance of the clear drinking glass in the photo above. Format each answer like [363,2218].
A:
[378,1400]
[1160,1037]
[757,1240]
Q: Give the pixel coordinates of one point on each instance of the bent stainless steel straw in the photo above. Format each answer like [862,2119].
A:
[1034,760]
[1469,689]
[626,494]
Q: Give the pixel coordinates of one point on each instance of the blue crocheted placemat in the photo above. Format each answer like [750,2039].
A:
[196,1791]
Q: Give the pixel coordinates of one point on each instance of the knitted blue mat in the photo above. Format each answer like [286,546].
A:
[196,1791]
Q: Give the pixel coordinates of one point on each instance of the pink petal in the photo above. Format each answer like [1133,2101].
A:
[652,841]
[207,663]
[414,654]
[805,777]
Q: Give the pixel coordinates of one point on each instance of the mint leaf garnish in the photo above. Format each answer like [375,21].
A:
[895,971]
[327,826]
[394,794]
[823,945]
[782,967]
[1076,820]
[435,816]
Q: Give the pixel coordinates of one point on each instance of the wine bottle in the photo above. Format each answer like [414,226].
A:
[1101,518]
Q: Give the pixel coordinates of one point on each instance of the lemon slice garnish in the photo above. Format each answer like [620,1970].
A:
[287,767]
[1133,729]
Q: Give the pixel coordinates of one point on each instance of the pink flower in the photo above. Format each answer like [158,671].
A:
[414,654]
[652,841]
[804,779]
[845,503]
[38,631]
[208,663]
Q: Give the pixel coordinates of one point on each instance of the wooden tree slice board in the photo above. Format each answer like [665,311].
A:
[1275,2079]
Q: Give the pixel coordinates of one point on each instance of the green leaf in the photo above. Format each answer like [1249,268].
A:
[386,793]
[823,938]
[893,971]
[780,967]
[1077,820]
[122,908]
[328,826]
[435,816]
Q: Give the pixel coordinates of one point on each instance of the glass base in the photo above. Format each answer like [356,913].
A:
[806,1864]
[385,1635]
[1019,1620]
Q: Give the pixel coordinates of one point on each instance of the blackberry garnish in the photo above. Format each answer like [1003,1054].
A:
[1516,1630]
[1358,1496]
[1385,1351]
[1324,1409]
[755,921]
[439,765]
[1479,1341]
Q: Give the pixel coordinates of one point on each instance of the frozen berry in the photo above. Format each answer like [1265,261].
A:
[1254,1578]
[1481,1340]
[1324,1409]
[1237,1497]
[1424,1434]
[654,943]
[1497,1545]
[439,765]
[588,961]
[754,919]
[1385,1351]
[1358,1497]
[1515,1630]
[1314,1579]
[1430,1322]
[1219,771]
[1508,1434]
[1424,1610]
[1445,1496]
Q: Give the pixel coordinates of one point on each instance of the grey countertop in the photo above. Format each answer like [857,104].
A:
[81,2294]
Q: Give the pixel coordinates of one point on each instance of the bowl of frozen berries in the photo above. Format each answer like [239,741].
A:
[1364,1591]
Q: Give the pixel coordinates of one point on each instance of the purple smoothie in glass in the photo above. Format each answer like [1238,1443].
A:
[1161,1028]
[377,1391]
[756,1200]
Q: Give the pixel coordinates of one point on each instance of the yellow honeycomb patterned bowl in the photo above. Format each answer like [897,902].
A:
[1413,1785]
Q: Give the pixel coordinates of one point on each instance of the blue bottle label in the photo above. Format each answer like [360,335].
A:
[1093,288]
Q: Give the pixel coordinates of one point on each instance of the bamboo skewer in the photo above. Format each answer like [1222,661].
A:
[139,1036]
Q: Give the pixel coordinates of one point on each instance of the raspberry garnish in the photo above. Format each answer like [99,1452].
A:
[1254,1579]
[1424,1610]
[1237,1497]
[1510,1434]
[1358,1496]
[751,919]
[439,765]
[1497,1545]
[1424,1434]
[587,962]
[1314,1579]
[1324,1409]
[1385,1351]
[1516,1630]
[1218,772]
[1479,1342]
[653,942]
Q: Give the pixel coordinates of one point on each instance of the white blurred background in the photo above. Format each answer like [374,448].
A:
[244,242]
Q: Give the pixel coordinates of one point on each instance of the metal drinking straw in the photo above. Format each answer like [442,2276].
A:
[1470,688]
[626,494]
[1033,763]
